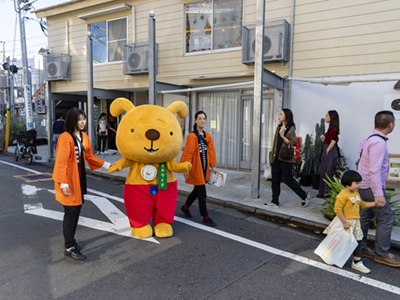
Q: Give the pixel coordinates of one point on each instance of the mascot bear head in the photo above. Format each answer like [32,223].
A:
[148,133]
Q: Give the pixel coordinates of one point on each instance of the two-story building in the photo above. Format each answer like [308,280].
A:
[205,57]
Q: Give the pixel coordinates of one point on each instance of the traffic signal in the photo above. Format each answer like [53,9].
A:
[13,69]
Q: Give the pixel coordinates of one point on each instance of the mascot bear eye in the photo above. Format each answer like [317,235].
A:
[171,133]
[132,130]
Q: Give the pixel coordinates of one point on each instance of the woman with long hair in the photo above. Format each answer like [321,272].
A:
[282,169]
[330,151]
[101,130]
[200,152]
[73,151]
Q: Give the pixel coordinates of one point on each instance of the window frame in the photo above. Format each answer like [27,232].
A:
[212,32]
[107,41]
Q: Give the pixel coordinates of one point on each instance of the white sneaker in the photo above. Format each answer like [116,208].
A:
[305,201]
[271,204]
[101,153]
[360,267]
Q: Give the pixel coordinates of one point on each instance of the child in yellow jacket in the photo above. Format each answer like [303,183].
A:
[347,209]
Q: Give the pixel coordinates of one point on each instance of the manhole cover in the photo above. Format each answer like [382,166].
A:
[35,177]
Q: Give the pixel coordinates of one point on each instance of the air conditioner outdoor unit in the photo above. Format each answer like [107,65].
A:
[136,58]
[57,66]
[276,40]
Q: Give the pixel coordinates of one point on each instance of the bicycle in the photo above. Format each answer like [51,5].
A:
[26,145]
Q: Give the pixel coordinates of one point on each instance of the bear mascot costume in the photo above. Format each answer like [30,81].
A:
[149,138]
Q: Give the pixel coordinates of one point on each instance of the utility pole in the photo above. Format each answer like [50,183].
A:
[258,97]
[4,51]
[27,85]
[90,89]
[152,59]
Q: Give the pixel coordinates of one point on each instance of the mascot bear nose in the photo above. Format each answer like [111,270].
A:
[152,134]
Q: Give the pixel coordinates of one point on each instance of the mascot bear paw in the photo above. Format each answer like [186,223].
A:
[163,230]
[143,232]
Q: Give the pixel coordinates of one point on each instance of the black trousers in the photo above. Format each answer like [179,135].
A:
[99,139]
[70,222]
[199,192]
[281,170]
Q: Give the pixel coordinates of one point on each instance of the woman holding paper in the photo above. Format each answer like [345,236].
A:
[200,152]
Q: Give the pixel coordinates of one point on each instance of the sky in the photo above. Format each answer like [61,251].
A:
[9,28]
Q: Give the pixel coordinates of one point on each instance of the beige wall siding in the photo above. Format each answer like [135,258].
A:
[341,37]
[331,37]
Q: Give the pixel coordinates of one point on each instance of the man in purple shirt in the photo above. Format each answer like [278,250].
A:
[374,169]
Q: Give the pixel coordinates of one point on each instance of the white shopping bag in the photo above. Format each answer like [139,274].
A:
[338,245]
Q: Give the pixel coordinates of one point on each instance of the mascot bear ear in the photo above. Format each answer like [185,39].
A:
[180,108]
[119,105]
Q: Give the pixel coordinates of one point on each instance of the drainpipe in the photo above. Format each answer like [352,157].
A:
[289,97]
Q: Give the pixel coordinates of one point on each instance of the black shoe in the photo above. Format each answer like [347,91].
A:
[186,212]
[77,247]
[74,253]
[209,222]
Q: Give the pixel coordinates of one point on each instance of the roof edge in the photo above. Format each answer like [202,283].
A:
[68,6]
[56,6]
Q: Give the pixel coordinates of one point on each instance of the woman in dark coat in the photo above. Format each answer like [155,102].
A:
[330,151]
[283,168]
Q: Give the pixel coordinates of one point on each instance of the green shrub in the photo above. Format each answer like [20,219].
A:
[334,187]
[17,124]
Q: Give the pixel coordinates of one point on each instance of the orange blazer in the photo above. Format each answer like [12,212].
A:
[191,154]
[66,168]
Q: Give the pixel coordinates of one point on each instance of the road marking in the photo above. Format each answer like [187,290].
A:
[119,221]
[22,168]
[90,222]
[356,277]
[35,177]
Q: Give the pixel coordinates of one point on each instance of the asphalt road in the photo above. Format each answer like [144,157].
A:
[244,257]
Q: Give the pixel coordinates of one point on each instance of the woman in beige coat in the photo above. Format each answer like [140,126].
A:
[281,169]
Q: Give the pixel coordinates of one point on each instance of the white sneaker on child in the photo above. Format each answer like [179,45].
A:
[360,267]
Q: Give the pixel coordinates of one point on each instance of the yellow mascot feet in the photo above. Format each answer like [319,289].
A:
[142,232]
[163,230]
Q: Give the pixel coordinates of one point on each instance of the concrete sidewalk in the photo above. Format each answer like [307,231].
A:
[236,194]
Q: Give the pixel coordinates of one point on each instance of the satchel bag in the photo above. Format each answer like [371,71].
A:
[287,151]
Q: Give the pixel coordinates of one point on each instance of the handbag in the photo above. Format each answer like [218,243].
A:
[337,246]
[287,151]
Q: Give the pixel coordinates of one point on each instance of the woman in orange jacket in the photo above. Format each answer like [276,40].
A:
[73,150]
[200,152]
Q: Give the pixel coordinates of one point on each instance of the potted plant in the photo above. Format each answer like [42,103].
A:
[318,145]
[334,187]
[305,172]
[341,165]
